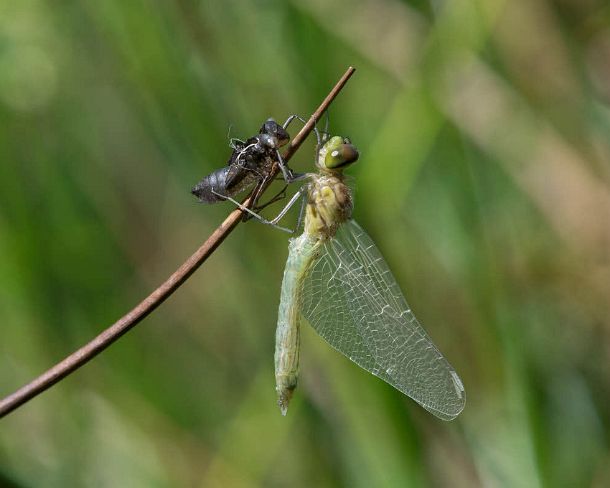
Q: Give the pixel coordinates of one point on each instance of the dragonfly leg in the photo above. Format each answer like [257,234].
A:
[315,128]
[287,173]
[299,194]
[275,220]
[279,196]
[326,122]
[256,194]
[245,209]
[291,118]
[301,213]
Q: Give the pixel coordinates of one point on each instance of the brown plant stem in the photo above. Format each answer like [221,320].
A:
[81,356]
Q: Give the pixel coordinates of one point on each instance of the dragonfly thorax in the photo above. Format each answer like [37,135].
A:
[329,204]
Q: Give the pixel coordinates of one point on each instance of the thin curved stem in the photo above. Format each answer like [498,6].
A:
[81,356]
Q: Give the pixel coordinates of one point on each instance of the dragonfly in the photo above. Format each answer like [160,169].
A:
[337,280]
[250,162]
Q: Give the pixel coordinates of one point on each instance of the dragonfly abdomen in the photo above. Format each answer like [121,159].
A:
[287,336]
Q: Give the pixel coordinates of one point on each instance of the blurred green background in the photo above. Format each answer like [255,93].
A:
[484,178]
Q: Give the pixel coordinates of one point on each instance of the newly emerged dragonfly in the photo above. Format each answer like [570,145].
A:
[336,279]
[250,162]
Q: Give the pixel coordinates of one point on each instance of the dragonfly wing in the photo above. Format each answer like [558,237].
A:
[352,300]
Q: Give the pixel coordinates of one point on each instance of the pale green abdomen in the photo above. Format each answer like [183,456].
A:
[301,253]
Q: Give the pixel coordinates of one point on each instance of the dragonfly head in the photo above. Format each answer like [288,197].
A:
[273,135]
[336,154]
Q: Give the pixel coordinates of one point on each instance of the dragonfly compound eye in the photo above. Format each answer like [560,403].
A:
[340,155]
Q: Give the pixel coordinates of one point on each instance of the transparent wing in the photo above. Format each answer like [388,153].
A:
[352,300]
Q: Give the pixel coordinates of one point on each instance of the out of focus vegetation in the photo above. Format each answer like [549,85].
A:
[484,178]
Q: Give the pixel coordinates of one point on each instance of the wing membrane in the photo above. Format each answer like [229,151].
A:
[352,300]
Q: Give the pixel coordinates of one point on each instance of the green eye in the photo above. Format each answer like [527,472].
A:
[339,153]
